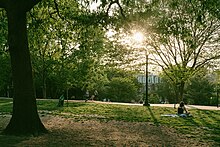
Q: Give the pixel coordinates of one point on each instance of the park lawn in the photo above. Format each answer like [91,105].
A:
[203,126]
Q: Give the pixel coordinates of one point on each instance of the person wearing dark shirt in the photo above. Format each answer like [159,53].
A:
[182,109]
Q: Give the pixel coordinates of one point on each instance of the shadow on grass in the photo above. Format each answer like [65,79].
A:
[6,105]
[166,137]
[5,100]
[156,122]
[211,125]
[77,104]
[7,140]
[53,105]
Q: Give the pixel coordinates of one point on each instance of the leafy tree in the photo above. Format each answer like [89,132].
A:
[216,82]
[41,44]
[5,74]
[165,90]
[3,31]
[121,90]
[5,70]
[121,86]
[25,119]
[212,6]
[77,47]
[199,90]
[183,40]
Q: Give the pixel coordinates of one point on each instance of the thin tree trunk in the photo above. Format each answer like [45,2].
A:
[25,118]
[176,95]
[44,88]
[181,90]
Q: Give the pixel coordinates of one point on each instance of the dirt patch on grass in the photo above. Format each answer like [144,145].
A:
[72,132]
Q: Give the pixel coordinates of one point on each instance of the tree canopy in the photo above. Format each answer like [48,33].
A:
[183,39]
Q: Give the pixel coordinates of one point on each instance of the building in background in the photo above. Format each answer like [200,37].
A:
[153,80]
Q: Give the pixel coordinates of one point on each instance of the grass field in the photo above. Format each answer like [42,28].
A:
[203,126]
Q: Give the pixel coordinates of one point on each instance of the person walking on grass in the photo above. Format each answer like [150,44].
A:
[87,95]
[95,95]
[61,101]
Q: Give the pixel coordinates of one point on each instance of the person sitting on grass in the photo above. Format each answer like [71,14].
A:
[181,110]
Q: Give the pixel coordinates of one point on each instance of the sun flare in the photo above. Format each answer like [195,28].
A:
[138,37]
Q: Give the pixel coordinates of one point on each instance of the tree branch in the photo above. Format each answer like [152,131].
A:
[57,9]
[202,63]
[120,7]
[30,4]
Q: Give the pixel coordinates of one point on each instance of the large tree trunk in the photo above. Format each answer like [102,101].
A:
[25,118]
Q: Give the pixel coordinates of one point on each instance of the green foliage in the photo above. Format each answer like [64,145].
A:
[120,86]
[5,73]
[121,90]
[166,91]
[5,69]
[173,83]
[66,47]
[68,54]
[69,46]
[212,6]
[154,98]
[184,38]
[3,31]
[200,91]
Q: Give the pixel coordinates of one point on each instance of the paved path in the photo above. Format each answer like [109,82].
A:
[189,106]
[134,104]
[158,105]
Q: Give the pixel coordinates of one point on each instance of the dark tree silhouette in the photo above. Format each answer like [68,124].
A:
[25,118]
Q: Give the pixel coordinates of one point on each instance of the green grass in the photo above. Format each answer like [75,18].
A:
[204,125]
[5,106]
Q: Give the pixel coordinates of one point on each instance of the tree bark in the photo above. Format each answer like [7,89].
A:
[181,90]
[3,3]
[25,119]
[44,88]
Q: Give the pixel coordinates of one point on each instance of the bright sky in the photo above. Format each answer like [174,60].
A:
[138,37]
[94,5]
[136,40]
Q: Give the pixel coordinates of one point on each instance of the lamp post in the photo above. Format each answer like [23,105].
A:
[146,98]
[217,96]
[139,38]
[216,78]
